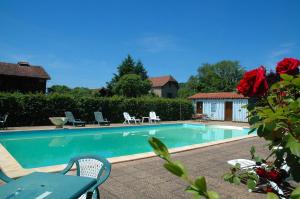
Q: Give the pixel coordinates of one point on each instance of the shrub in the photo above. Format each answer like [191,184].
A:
[35,109]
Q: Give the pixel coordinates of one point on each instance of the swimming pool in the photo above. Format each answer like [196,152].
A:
[52,147]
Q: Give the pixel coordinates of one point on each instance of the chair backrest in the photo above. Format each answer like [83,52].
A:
[69,116]
[98,116]
[152,115]
[92,167]
[5,117]
[126,116]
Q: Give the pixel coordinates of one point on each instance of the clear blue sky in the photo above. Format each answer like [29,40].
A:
[80,43]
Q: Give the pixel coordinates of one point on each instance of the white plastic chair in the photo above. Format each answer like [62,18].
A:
[129,119]
[153,117]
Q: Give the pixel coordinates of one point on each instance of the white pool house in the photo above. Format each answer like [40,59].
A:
[222,106]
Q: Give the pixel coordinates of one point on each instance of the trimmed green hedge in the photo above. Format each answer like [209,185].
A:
[35,109]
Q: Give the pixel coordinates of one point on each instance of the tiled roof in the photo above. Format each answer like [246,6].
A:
[219,95]
[23,69]
[161,81]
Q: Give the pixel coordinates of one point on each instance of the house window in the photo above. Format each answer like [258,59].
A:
[213,107]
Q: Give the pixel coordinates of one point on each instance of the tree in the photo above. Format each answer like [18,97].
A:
[221,76]
[59,89]
[132,85]
[189,88]
[77,91]
[128,66]
[140,70]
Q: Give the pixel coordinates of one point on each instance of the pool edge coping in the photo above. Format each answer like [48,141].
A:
[13,169]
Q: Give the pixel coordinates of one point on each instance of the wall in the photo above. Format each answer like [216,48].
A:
[22,84]
[170,87]
[239,113]
[157,91]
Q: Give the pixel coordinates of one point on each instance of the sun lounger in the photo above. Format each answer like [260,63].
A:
[129,119]
[72,120]
[99,119]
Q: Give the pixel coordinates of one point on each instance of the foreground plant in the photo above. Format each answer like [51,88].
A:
[274,113]
[196,187]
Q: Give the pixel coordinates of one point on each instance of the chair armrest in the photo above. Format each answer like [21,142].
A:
[68,167]
[99,182]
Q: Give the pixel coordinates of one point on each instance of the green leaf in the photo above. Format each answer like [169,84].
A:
[286,77]
[251,184]
[173,168]
[297,131]
[271,195]
[196,196]
[159,148]
[296,193]
[236,180]
[227,177]
[296,82]
[293,145]
[213,195]
[251,131]
[200,183]
[191,190]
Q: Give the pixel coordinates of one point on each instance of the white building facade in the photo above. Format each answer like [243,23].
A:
[223,106]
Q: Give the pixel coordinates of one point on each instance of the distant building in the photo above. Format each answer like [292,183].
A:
[226,106]
[165,86]
[22,77]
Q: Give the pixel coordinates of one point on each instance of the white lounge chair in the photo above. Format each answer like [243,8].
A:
[153,117]
[129,119]
[99,119]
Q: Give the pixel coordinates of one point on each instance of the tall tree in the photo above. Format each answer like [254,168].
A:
[132,85]
[221,76]
[128,66]
[140,70]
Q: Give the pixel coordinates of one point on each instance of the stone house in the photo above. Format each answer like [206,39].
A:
[165,86]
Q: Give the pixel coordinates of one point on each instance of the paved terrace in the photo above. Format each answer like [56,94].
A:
[147,178]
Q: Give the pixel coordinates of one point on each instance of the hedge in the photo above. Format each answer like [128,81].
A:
[35,109]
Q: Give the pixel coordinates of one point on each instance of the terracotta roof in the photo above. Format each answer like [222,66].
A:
[23,69]
[161,81]
[219,95]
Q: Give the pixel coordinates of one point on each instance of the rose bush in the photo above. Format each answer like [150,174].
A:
[274,113]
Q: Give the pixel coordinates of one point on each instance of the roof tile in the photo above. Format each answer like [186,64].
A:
[23,71]
[218,95]
[161,81]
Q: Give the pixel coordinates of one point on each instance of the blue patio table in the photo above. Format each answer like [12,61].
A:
[45,186]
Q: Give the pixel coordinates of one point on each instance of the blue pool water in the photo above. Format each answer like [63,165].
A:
[51,147]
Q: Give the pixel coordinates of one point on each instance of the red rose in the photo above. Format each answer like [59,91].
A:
[254,83]
[261,172]
[274,176]
[288,66]
[269,189]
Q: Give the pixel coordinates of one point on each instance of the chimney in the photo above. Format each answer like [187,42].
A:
[23,63]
